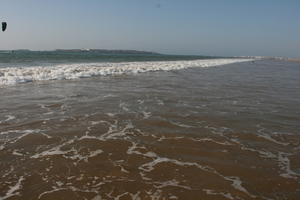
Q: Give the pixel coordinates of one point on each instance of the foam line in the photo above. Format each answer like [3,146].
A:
[15,75]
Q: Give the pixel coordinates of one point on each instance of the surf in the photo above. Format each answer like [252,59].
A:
[17,75]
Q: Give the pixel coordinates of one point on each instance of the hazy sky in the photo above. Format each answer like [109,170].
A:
[208,27]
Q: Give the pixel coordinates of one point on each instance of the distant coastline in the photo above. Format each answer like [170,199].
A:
[138,52]
[119,51]
[103,51]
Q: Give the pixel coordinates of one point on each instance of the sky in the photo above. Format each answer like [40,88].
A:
[195,27]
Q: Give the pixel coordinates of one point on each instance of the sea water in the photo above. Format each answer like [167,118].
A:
[148,127]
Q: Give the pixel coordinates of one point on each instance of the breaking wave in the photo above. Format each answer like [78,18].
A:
[15,75]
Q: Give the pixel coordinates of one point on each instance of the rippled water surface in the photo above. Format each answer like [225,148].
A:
[224,132]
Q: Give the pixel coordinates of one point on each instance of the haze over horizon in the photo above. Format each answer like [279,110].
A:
[215,27]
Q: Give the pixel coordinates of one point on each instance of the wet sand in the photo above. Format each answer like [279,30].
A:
[294,59]
[217,133]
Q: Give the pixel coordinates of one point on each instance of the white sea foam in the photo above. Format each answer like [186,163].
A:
[15,75]
[8,118]
[13,190]
[173,183]
[285,166]
[236,182]
[146,115]
[20,132]
[212,192]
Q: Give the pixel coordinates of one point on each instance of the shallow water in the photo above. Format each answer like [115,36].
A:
[224,132]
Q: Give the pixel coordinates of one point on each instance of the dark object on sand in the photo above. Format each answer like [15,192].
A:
[4,25]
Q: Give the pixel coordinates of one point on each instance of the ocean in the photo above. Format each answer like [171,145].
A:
[85,125]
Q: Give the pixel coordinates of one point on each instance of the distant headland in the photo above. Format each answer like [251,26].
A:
[118,51]
[100,51]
